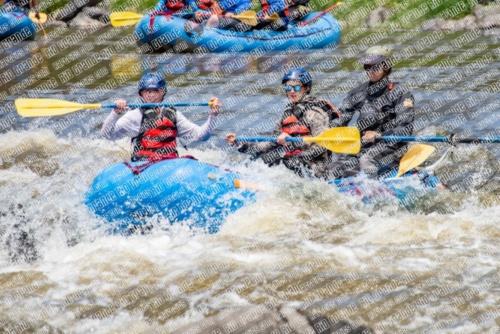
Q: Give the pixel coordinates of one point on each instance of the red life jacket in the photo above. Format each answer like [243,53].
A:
[265,6]
[209,5]
[175,5]
[157,137]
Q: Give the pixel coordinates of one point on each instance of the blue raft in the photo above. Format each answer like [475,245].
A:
[187,190]
[202,195]
[173,32]
[389,187]
[16,26]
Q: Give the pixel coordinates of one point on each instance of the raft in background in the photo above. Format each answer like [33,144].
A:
[16,26]
[174,32]
[181,190]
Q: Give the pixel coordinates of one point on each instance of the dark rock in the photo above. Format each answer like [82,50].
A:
[258,318]
[433,24]
[56,23]
[66,13]
[376,17]
[85,3]
[83,21]
[95,12]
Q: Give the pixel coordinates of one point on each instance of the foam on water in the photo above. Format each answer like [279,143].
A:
[83,279]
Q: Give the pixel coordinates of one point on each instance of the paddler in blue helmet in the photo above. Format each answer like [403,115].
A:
[378,107]
[154,130]
[304,116]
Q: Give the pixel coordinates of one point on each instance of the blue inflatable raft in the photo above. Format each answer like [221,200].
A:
[202,195]
[184,190]
[16,26]
[173,32]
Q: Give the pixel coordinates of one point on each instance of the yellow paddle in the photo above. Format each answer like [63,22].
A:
[41,21]
[120,19]
[43,17]
[53,107]
[415,156]
[344,140]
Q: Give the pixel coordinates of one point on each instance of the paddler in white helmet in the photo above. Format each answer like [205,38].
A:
[378,107]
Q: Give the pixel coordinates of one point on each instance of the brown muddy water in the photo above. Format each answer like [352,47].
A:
[429,268]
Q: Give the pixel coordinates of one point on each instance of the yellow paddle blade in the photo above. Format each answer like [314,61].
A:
[49,107]
[274,17]
[344,140]
[415,156]
[120,19]
[249,17]
[43,17]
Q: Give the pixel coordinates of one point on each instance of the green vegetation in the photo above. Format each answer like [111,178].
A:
[411,12]
[407,12]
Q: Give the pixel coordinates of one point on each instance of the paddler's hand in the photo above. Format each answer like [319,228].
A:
[121,107]
[282,138]
[230,15]
[215,107]
[370,136]
[230,139]
[199,15]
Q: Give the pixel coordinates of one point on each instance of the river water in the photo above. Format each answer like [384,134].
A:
[433,268]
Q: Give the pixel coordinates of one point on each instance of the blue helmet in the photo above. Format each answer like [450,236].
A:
[152,81]
[298,74]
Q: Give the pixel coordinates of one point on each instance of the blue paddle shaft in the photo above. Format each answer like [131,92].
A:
[393,139]
[268,139]
[437,139]
[154,105]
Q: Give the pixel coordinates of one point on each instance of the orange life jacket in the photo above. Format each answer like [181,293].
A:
[292,127]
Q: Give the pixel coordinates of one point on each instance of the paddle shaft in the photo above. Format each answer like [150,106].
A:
[437,139]
[154,105]
[267,139]
[319,15]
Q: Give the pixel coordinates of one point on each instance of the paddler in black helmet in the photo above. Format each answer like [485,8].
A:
[378,107]
[304,116]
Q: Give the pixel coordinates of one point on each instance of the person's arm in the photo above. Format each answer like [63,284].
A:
[346,110]
[317,121]
[402,125]
[193,132]
[34,6]
[120,126]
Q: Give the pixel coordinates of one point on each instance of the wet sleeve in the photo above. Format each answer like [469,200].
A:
[193,132]
[318,123]
[346,110]
[404,109]
[263,147]
[120,126]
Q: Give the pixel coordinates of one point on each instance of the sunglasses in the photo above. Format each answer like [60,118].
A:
[374,67]
[295,88]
